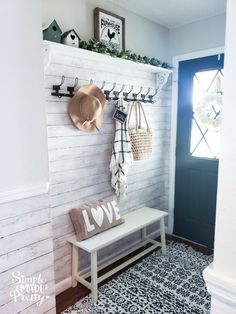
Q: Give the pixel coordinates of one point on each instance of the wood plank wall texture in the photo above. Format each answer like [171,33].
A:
[79,161]
[79,172]
[26,247]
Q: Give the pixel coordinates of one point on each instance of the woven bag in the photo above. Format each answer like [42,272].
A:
[140,138]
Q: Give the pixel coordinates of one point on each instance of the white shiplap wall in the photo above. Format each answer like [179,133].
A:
[26,247]
[79,162]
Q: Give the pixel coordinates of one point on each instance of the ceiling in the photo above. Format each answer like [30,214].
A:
[174,13]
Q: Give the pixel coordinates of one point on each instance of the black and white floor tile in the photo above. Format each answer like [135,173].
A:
[170,284]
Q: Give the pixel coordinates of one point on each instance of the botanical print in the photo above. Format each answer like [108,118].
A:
[110,30]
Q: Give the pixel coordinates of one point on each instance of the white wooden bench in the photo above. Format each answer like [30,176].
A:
[134,221]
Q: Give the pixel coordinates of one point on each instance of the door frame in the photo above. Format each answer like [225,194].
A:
[174,111]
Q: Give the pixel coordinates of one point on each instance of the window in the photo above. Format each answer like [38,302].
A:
[206,117]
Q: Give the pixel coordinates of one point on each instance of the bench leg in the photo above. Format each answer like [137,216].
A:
[163,236]
[94,280]
[143,233]
[75,258]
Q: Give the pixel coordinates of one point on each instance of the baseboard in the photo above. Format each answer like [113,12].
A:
[190,241]
[220,287]
[66,283]
[63,285]
[23,192]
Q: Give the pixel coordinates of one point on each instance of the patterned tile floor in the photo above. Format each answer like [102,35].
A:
[170,284]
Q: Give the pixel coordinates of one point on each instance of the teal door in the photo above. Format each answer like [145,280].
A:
[197,148]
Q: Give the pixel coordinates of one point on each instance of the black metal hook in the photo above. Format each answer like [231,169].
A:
[136,95]
[56,88]
[143,96]
[107,92]
[62,80]
[117,93]
[113,87]
[71,89]
[126,94]
[150,97]
[103,84]
[76,82]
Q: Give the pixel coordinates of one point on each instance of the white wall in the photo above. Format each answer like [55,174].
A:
[201,35]
[25,224]
[142,36]
[225,248]
[23,157]
[221,276]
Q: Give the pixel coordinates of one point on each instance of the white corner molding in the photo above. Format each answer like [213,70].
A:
[23,192]
[221,288]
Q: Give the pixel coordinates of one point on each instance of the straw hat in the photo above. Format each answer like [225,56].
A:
[86,108]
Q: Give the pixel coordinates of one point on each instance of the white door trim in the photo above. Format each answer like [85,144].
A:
[174,111]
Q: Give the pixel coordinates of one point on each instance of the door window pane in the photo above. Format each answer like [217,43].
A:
[206,116]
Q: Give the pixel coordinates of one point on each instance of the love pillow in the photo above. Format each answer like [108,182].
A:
[94,218]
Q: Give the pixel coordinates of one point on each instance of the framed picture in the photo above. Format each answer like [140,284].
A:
[109,28]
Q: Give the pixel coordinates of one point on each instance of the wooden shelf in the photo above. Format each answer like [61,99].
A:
[59,53]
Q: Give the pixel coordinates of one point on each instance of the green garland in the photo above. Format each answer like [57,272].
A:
[97,46]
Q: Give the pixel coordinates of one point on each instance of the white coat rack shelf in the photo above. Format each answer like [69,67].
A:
[113,75]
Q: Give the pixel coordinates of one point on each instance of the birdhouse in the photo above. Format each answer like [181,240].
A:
[70,38]
[52,32]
